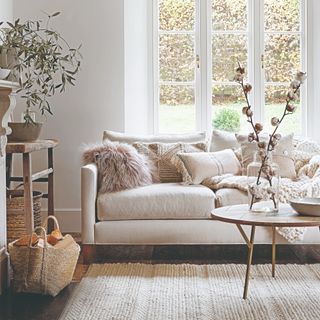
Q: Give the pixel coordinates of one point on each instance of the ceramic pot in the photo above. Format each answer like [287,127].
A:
[24,132]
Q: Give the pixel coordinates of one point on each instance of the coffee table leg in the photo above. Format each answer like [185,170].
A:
[249,261]
[273,252]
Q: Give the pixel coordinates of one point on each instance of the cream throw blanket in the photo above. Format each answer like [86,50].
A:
[307,184]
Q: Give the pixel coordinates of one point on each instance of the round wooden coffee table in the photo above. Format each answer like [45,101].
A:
[240,215]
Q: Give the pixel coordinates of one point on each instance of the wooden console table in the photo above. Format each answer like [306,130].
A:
[26,148]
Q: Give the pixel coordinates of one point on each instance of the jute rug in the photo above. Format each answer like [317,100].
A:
[177,292]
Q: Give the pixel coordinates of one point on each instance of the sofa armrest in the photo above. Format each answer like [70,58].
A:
[89,189]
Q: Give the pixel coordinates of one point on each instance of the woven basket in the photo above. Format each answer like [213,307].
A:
[44,269]
[16,225]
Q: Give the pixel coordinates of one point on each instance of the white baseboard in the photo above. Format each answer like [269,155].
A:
[69,219]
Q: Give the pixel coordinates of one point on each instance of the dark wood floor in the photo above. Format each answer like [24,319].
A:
[35,307]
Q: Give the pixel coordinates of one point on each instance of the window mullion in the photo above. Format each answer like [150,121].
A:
[155,54]
[256,72]
[260,68]
[205,76]
[197,88]
[306,122]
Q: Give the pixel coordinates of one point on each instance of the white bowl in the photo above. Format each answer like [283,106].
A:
[307,206]
[4,73]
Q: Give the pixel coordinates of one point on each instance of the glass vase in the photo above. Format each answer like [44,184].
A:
[263,184]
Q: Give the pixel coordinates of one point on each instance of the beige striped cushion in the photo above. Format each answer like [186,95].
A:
[163,154]
[196,167]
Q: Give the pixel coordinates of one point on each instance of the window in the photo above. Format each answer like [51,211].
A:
[197,46]
[176,72]
[230,44]
[282,56]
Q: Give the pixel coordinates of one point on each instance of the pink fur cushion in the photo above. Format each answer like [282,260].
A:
[120,166]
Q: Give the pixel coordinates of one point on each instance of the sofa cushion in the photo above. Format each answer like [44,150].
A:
[163,156]
[221,140]
[195,167]
[282,154]
[157,201]
[120,166]
[164,138]
[229,197]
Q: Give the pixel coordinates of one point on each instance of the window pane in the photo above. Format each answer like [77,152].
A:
[282,57]
[176,58]
[229,14]
[282,15]
[227,50]
[275,98]
[176,14]
[177,111]
[228,102]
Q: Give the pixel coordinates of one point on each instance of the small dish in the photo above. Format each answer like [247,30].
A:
[4,73]
[307,206]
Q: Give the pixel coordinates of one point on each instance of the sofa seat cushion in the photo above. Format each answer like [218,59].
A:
[157,201]
[229,197]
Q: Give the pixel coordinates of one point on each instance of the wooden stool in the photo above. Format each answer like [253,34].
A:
[26,148]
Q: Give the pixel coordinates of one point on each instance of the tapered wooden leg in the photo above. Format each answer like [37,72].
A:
[28,201]
[50,189]
[8,169]
[249,261]
[273,252]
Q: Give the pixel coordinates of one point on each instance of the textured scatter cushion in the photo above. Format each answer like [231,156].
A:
[168,138]
[221,140]
[120,166]
[282,155]
[308,145]
[165,154]
[199,166]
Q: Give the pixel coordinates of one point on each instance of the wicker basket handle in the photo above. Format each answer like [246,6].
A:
[45,224]
[44,232]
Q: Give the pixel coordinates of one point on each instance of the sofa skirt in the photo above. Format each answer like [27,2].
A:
[166,232]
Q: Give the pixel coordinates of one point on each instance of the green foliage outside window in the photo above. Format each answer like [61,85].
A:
[227,120]
[176,52]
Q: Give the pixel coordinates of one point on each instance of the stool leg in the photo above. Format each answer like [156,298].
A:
[27,183]
[8,169]
[50,189]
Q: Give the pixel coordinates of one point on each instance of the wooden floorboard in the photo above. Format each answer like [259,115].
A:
[36,307]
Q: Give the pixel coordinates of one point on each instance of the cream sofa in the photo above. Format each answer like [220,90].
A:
[159,214]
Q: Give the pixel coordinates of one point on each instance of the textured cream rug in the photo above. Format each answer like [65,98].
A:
[177,292]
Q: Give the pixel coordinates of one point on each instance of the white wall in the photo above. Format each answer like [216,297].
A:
[97,101]
[6,10]
[313,78]
[138,85]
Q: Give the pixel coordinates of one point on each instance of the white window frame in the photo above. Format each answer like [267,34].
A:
[203,78]
[259,98]
[198,74]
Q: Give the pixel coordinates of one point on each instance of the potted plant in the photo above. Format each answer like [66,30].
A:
[43,63]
